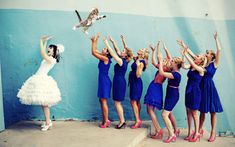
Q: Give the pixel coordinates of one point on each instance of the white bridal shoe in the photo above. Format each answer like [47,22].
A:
[47,127]
[44,123]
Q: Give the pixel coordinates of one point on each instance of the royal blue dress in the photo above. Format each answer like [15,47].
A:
[210,101]
[193,91]
[154,95]
[104,82]
[119,82]
[172,92]
[136,84]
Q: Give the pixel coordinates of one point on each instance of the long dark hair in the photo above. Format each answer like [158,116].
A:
[56,54]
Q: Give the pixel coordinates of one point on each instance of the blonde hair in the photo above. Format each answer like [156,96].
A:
[129,53]
[212,52]
[178,61]
[146,56]
[167,63]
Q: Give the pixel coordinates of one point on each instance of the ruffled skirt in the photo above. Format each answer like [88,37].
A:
[39,90]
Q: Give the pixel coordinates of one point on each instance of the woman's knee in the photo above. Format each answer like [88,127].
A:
[164,115]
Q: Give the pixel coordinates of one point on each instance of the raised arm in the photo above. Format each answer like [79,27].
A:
[140,67]
[94,50]
[161,71]
[217,58]
[154,54]
[43,44]
[115,46]
[183,45]
[184,65]
[168,55]
[198,68]
[116,58]
[123,42]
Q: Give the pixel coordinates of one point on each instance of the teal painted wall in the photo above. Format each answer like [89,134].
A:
[2,123]
[77,72]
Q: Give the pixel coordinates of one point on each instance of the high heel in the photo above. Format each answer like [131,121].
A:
[122,126]
[195,138]
[170,139]
[106,124]
[212,138]
[201,132]
[137,125]
[158,135]
[190,136]
[177,133]
[47,127]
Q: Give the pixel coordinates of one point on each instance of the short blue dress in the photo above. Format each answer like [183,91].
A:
[136,84]
[210,101]
[193,91]
[154,95]
[172,92]
[104,82]
[119,81]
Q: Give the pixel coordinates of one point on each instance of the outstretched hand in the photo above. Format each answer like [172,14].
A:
[122,37]
[216,35]
[151,47]
[46,37]
[105,41]
[110,38]
[95,38]
[164,45]
[181,43]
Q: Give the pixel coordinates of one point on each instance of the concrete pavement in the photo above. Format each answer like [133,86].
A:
[88,134]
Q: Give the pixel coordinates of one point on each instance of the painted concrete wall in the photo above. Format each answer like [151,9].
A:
[77,72]
[2,123]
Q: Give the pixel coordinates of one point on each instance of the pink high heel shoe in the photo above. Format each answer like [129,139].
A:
[170,139]
[190,136]
[212,138]
[137,125]
[106,124]
[158,134]
[201,132]
[177,133]
[195,139]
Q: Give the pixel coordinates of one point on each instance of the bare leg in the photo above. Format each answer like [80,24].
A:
[165,115]
[213,124]
[189,119]
[46,111]
[119,109]
[153,117]
[202,120]
[139,106]
[104,108]
[135,110]
[196,121]
[173,122]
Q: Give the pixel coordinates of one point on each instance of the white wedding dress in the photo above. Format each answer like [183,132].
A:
[40,89]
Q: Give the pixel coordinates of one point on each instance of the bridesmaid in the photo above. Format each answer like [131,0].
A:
[104,82]
[136,85]
[172,93]
[210,99]
[154,96]
[193,91]
[119,82]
